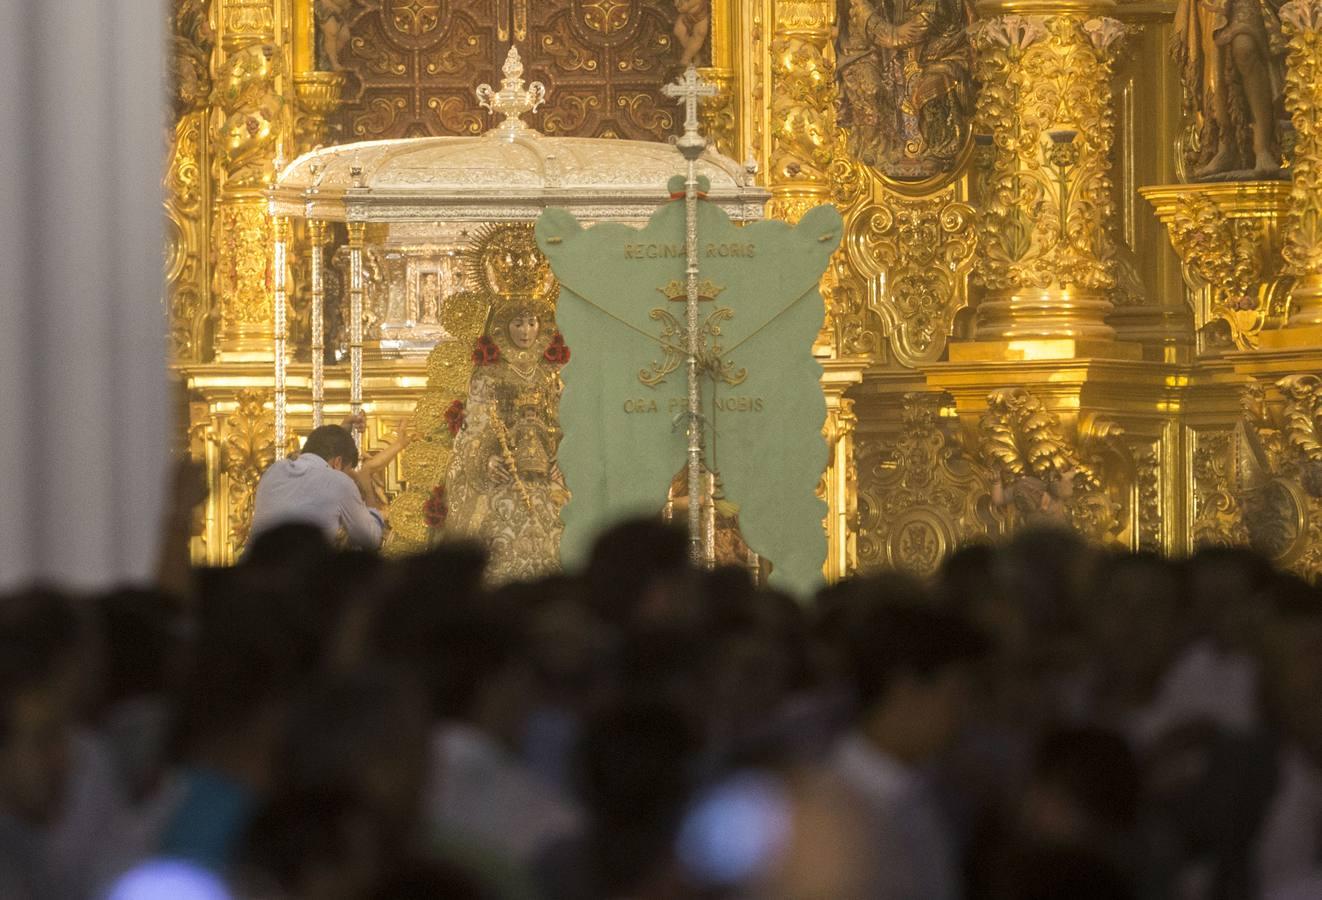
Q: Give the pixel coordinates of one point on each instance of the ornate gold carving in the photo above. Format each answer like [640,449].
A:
[1044,476]
[188,185]
[249,115]
[603,63]
[1147,477]
[718,114]
[1280,487]
[247,450]
[916,255]
[187,190]
[920,496]
[249,121]
[190,61]
[318,97]
[840,487]
[1228,238]
[850,328]
[802,115]
[246,21]
[243,266]
[1303,98]
[1217,519]
[1045,120]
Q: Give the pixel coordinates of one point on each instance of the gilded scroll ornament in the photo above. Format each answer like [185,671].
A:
[1229,240]
[1147,477]
[190,59]
[1044,476]
[919,495]
[851,327]
[185,262]
[187,183]
[1303,98]
[1279,486]
[1217,516]
[1230,57]
[247,450]
[717,114]
[919,253]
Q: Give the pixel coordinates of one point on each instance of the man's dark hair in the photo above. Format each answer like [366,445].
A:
[330,441]
[1096,768]
[886,642]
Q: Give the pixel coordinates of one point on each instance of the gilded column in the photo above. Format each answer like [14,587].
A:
[840,482]
[720,114]
[188,187]
[1302,21]
[802,106]
[281,317]
[1045,125]
[250,123]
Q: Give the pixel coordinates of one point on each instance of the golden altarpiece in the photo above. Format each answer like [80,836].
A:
[1081,280]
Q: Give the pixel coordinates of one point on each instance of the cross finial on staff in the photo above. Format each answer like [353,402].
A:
[687,90]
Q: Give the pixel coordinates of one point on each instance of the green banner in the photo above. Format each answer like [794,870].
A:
[622,312]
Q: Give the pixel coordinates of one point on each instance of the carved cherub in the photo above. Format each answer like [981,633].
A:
[331,19]
[692,26]
[1037,500]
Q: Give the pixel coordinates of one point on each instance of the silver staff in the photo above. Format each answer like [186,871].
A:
[687,90]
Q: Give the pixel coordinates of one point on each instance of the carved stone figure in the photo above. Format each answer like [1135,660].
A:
[692,26]
[193,39]
[246,119]
[905,68]
[429,299]
[504,487]
[333,28]
[1232,60]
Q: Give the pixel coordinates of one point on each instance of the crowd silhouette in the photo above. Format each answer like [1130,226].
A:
[1041,719]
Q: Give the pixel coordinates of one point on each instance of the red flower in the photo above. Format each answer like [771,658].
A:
[455,417]
[557,353]
[486,352]
[437,508]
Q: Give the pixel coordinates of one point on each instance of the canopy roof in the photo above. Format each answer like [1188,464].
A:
[500,176]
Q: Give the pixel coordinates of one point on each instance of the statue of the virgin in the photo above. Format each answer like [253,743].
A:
[503,486]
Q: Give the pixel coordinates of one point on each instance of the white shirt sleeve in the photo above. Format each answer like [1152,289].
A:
[363,525]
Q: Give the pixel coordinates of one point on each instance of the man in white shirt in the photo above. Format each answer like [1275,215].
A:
[315,487]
